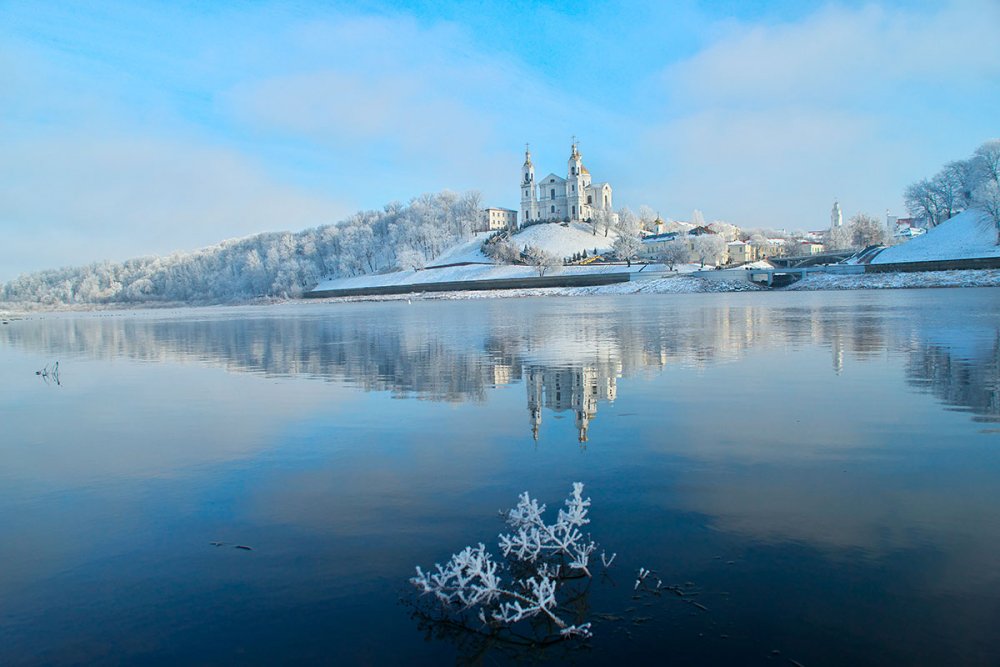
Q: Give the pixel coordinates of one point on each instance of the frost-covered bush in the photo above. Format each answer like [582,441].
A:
[539,559]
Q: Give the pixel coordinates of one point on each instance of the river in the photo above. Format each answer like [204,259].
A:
[818,471]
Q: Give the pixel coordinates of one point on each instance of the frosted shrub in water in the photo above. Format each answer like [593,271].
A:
[540,558]
[534,539]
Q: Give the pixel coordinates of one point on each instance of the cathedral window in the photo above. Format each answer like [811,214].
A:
[552,193]
[590,199]
[574,188]
[553,209]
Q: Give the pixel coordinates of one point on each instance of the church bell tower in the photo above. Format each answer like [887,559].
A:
[575,185]
[529,196]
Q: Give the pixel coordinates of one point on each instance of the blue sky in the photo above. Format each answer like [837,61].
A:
[133,128]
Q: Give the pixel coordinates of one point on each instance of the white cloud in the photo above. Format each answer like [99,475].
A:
[769,122]
[839,52]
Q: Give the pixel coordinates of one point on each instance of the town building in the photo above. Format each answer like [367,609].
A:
[574,198]
[740,252]
[495,219]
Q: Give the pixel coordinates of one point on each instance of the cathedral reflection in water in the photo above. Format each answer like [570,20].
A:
[575,389]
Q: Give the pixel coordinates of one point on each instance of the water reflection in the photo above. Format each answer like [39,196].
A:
[568,360]
[576,389]
[808,460]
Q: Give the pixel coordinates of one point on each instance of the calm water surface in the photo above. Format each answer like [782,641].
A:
[822,469]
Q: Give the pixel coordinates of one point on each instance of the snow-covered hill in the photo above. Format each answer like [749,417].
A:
[561,241]
[564,241]
[968,235]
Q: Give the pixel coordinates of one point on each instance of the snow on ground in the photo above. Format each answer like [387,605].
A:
[551,237]
[968,235]
[468,251]
[564,241]
[669,284]
[893,280]
[471,272]
[686,284]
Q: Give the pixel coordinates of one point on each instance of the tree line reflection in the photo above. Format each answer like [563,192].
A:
[569,359]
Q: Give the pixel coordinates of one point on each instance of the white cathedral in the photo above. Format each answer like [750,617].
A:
[555,198]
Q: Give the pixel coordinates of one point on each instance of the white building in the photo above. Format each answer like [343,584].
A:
[499,218]
[553,198]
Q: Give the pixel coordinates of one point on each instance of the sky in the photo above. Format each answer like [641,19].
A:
[144,128]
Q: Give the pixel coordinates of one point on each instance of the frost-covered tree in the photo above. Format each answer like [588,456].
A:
[698,218]
[602,220]
[960,185]
[867,230]
[987,159]
[410,259]
[627,245]
[502,252]
[271,264]
[542,260]
[708,249]
[647,216]
[674,252]
[838,238]
[987,198]
[986,191]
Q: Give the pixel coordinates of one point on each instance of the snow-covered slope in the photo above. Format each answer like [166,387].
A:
[564,241]
[470,272]
[551,237]
[468,251]
[968,235]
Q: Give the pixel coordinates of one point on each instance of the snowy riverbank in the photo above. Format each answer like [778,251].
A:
[676,284]
[686,284]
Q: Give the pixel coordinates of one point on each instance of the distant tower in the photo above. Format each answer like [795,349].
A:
[836,216]
[575,185]
[529,197]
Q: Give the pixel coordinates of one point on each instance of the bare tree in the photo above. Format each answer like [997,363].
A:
[921,202]
[946,188]
[698,218]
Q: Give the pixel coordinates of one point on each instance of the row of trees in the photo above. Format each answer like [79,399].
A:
[278,264]
[862,230]
[960,185]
